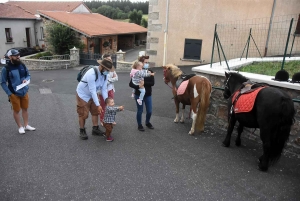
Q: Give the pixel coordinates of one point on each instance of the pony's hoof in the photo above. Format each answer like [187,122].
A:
[191,133]
[175,121]
[225,144]
[238,143]
[263,169]
[182,122]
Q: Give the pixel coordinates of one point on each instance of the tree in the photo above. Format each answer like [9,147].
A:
[135,16]
[144,23]
[62,38]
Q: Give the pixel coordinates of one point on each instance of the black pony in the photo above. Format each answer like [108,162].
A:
[273,113]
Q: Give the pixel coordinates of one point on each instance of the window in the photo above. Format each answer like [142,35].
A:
[42,33]
[192,49]
[8,35]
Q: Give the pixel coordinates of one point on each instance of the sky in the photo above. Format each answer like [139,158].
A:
[3,1]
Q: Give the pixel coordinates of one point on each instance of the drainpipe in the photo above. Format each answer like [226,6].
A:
[35,33]
[166,33]
[270,27]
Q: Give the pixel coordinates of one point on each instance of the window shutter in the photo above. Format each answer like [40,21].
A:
[192,49]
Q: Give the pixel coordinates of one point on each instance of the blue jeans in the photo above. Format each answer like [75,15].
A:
[148,103]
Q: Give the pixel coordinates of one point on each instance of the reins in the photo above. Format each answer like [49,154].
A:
[169,85]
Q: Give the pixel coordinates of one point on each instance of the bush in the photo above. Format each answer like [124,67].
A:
[144,23]
[41,54]
[62,38]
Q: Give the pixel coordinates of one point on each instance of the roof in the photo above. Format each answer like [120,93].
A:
[34,6]
[93,24]
[14,12]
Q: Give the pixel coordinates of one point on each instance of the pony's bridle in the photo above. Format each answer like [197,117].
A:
[226,83]
[166,81]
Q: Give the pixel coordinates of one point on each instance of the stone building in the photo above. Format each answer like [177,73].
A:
[181,32]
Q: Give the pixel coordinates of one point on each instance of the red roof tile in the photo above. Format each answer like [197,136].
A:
[93,24]
[14,12]
[34,6]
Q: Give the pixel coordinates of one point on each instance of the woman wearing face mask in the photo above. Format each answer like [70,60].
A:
[148,83]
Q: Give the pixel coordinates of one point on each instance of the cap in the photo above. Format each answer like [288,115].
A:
[13,52]
[282,75]
[296,78]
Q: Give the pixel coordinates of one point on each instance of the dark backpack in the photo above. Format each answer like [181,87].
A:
[8,78]
[84,70]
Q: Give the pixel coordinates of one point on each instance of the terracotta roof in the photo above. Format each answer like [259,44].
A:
[34,6]
[93,24]
[14,12]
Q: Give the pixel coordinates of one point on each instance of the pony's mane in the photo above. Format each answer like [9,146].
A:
[239,77]
[176,72]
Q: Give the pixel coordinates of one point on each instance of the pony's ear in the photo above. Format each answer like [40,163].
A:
[226,74]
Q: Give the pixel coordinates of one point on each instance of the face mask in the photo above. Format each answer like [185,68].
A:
[105,73]
[146,66]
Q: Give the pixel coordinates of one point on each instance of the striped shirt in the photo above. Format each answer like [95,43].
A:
[110,114]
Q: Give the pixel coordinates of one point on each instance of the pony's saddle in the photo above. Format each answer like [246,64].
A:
[243,100]
[182,83]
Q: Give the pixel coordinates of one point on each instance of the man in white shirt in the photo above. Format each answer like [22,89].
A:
[87,99]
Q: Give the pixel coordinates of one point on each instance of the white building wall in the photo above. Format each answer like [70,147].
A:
[18,32]
[81,9]
[196,19]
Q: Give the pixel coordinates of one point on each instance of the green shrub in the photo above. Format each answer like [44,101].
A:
[41,54]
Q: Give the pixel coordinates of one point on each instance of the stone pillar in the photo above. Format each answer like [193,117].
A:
[120,55]
[74,56]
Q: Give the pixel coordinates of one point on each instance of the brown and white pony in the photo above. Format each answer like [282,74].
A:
[197,94]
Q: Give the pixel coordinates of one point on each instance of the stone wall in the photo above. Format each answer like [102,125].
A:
[217,113]
[124,66]
[37,64]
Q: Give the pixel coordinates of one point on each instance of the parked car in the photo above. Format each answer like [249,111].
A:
[24,51]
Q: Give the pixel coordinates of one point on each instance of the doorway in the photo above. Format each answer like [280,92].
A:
[28,37]
[97,48]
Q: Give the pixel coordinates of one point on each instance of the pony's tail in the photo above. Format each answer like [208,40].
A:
[203,106]
[282,133]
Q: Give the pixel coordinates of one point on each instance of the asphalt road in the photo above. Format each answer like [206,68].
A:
[52,163]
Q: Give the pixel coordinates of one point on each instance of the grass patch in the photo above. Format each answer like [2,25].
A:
[41,54]
[122,20]
[127,20]
[271,68]
[146,17]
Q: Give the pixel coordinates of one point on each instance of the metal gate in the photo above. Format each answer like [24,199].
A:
[91,59]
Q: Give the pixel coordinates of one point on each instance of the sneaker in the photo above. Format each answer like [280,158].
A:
[29,128]
[109,139]
[149,125]
[83,134]
[141,128]
[139,101]
[21,130]
[97,131]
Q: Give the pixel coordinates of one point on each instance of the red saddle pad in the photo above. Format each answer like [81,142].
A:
[182,87]
[246,101]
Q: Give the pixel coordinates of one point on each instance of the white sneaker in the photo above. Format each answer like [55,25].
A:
[21,130]
[29,128]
